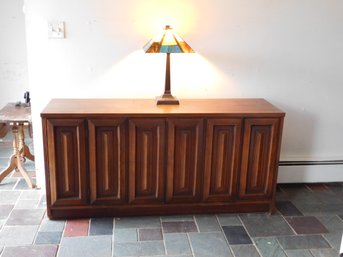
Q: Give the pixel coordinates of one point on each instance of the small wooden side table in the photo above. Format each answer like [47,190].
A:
[17,117]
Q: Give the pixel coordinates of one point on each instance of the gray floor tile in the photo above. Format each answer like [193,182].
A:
[332,223]
[101,226]
[9,197]
[245,251]
[5,210]
[31,195]
[177,244]
[27,204]
[25,217]
[324,252]
[125,235]
[229,219]
[209,245]
[31,251]
[263,225]
[138,249]
[334,239]
[17,235]
[22,185]
[299,253]
[137,222]
[48,238]
[320,209]
[269,247]
[303,242]
[8,183]
[52,225]
[91,246]
[207,223]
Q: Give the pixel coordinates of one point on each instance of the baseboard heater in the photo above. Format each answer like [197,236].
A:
[312,163]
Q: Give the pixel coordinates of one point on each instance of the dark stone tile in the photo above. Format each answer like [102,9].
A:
[101,226]
[31,251]
[236,235]
[306,225]
[48,238]
[245,251]
[293,187]
[303,242]
[317,187]
[286,208]
[138,222]
[25,217]
[179,227]
[149,234]
[212,244]
[263,225]
[5,210]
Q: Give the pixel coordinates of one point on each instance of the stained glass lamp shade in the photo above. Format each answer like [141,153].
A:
[168,42]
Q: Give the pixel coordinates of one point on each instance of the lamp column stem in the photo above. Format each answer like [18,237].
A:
[167,83]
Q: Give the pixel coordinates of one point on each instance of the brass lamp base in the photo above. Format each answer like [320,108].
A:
[167,100]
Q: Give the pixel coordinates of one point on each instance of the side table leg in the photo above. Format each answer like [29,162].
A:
[11,166]
[26,153]
[23,172]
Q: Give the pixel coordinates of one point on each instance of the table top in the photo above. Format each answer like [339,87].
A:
[13,113]
[148,107]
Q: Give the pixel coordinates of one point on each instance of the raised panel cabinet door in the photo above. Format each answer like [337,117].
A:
[184,160]
[67,169]
[107,160]
[222,157]
[260,158]
[146,160]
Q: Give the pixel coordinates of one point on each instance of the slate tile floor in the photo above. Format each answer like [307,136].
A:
[309,223]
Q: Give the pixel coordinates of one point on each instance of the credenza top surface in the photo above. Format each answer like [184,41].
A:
[233,106]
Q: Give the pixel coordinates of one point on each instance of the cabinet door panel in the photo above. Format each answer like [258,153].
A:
[184,174]
[67,161]
[260,158]
[222,152]
[107,158]
[146,160]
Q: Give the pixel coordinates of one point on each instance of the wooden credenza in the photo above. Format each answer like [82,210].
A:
[118,157]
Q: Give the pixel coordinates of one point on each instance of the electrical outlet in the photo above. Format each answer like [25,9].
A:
[56,30]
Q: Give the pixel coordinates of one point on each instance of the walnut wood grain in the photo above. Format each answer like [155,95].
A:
[125,157]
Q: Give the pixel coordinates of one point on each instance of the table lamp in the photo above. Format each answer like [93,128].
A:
[168,42]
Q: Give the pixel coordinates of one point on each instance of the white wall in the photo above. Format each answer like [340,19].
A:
[289,52]
[13,57]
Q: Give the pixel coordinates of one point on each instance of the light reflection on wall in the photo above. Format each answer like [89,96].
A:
[142,75]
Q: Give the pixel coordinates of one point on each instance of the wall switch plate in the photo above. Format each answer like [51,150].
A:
[56,30]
